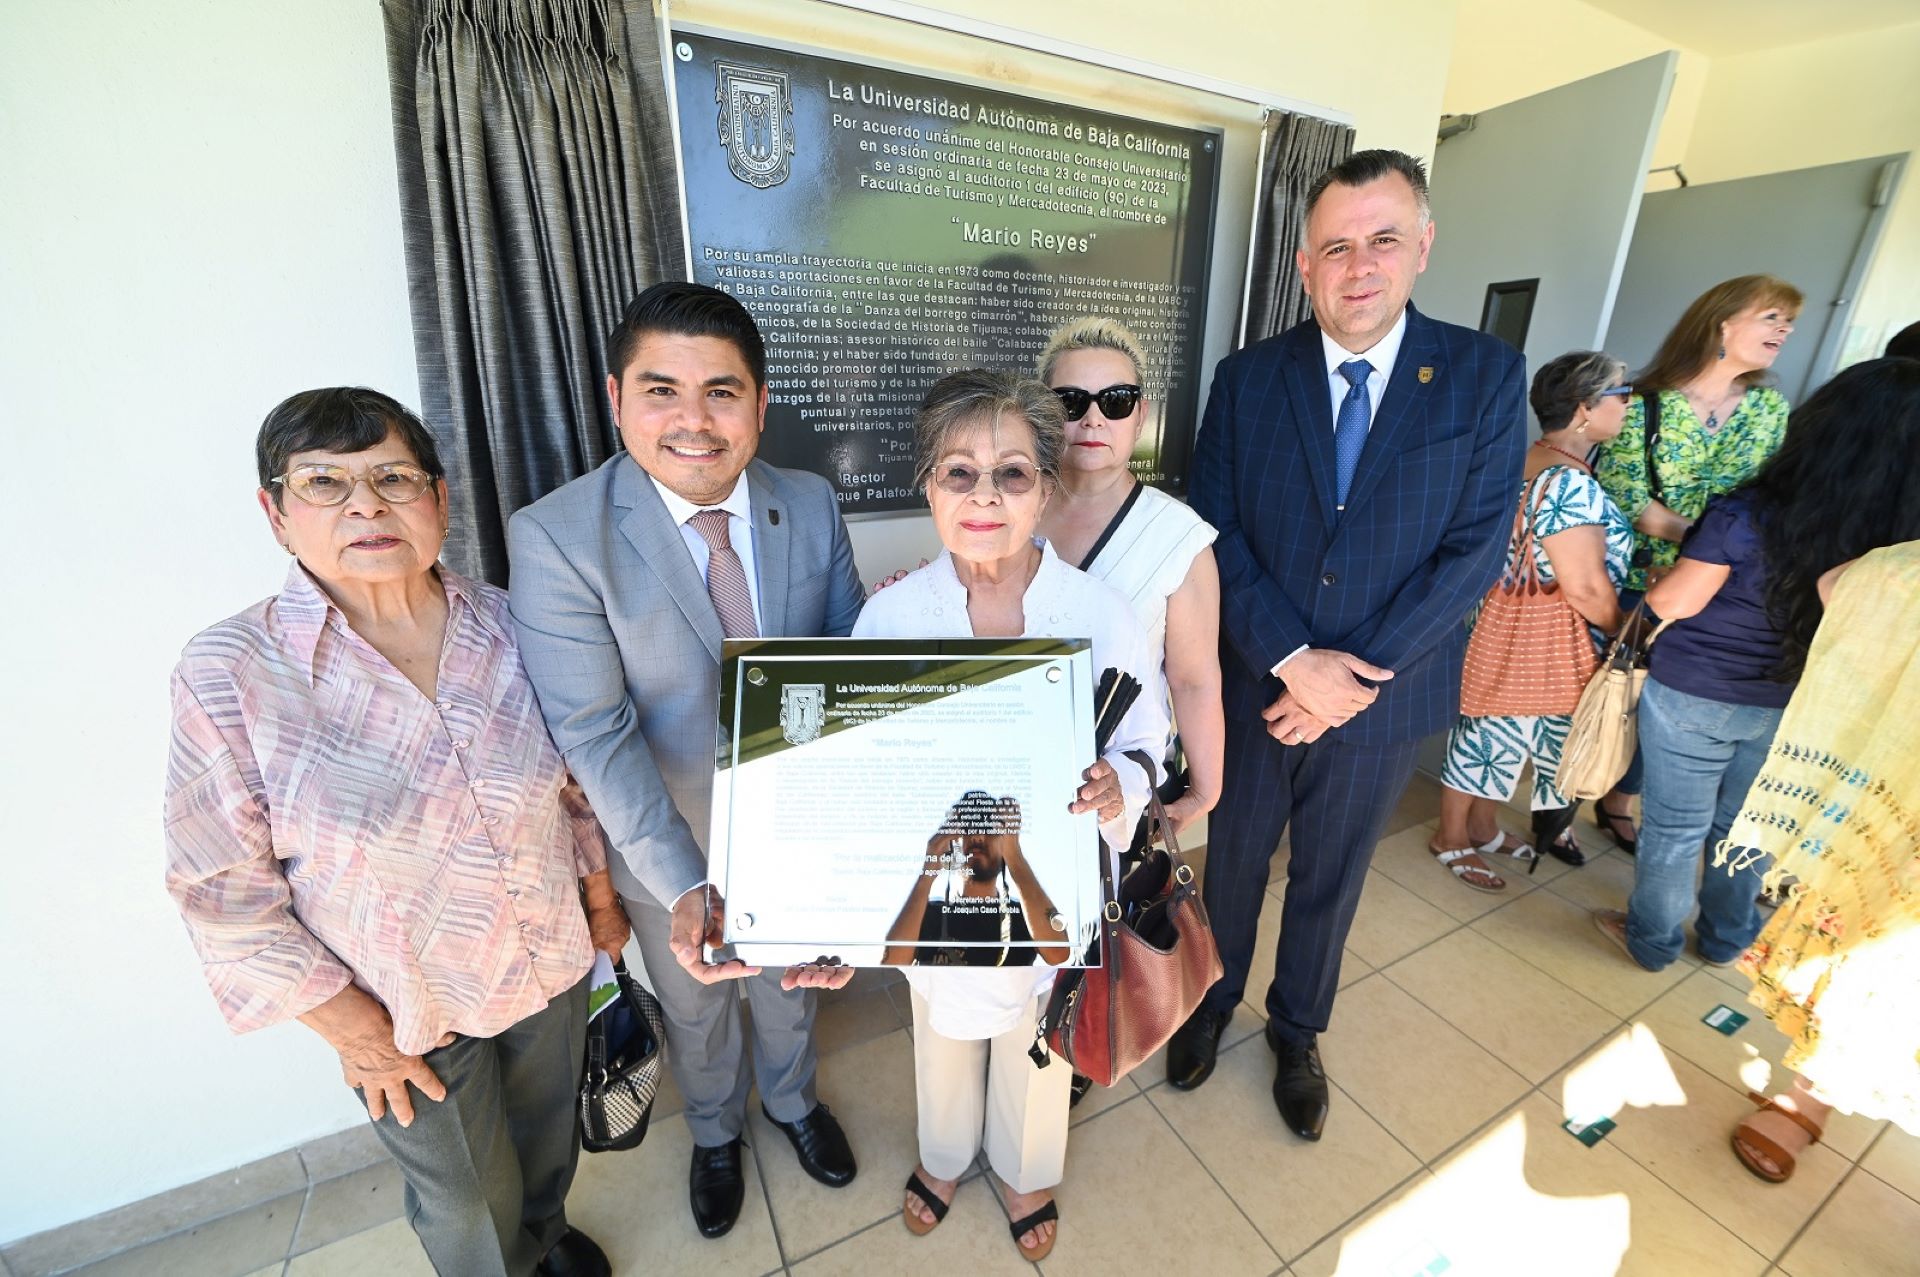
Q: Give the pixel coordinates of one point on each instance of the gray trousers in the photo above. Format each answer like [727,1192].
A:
[488,1167]
[706,1042]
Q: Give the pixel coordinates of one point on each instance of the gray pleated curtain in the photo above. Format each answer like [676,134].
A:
[537,197]
[1299,149]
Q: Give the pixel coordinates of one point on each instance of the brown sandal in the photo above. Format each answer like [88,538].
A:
[1747,1141]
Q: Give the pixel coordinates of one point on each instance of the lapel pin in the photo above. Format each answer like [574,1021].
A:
[773,517]
[1426,375]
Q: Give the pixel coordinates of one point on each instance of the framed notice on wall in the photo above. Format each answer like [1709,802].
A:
[886,227]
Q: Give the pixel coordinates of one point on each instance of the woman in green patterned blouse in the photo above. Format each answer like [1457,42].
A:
[1719,422]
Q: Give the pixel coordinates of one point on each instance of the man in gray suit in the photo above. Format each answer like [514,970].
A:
[624,583]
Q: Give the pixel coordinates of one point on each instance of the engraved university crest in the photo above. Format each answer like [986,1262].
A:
[803,711]
[756,121]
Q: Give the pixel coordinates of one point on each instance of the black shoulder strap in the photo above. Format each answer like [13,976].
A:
[1113,526]
[1651,421]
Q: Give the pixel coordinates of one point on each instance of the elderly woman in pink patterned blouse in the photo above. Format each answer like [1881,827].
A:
[369,830]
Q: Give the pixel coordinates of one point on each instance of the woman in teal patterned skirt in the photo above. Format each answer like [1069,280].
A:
[1583,543]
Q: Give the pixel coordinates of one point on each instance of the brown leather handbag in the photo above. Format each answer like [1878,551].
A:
[1530,652]
[1159,961]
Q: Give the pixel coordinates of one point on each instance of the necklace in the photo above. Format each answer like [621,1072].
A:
[1731,401]
[1578,461]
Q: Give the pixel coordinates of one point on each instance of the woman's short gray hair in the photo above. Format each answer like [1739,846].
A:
[1571,382]
[974,397]
[1092,332]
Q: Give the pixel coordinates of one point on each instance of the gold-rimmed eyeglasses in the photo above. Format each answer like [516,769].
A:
[397,482]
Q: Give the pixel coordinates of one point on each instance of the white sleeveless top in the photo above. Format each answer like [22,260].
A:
[1147,558]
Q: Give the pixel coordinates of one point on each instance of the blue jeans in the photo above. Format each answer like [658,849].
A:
[1702,756]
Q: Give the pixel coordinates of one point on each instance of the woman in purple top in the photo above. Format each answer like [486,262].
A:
[1743,606]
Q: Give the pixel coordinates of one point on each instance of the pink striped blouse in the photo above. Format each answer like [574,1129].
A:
[327,823]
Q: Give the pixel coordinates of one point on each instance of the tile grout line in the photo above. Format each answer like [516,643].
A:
[1208,1170]
[1825,1202]
[766,1195]
[306,1199]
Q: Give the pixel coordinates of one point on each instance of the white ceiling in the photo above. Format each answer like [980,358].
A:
[1717,27]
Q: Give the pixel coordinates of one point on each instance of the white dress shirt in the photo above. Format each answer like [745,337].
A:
[739,505]
[1381,356]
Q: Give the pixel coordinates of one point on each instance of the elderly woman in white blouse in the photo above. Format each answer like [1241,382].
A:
[988,450]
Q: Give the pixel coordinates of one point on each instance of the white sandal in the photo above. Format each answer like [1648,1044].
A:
[1450,860]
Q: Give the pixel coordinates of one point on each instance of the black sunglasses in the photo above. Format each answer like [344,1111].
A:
[1116,402]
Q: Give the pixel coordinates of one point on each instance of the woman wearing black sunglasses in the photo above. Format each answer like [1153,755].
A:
[1139,540]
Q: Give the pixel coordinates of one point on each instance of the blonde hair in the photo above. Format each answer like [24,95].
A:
[1092,332]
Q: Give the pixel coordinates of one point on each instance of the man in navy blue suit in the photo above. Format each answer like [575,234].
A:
[1362,470]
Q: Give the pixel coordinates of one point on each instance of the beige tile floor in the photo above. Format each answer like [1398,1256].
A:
[1469,1028]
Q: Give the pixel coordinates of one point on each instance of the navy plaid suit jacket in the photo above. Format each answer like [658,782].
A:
[1392,578]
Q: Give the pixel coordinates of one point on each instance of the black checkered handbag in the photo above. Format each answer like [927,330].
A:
[626,1046]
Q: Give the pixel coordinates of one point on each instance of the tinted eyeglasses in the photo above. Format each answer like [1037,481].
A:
[1014,479]
[396,482]
[1610,391]
[1116,402]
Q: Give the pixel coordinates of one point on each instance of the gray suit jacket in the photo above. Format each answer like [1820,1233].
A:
[621,641]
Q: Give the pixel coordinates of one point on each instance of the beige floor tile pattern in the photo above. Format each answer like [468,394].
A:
[1136,1200]
[1558,936]
[1294,1193]
[1867,1230]
[1393,921]
[1895,1158]
[1430,1098]
[1526,1018]
[1490,994]
[390,1250]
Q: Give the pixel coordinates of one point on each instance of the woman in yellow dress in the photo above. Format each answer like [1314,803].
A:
[1837,809]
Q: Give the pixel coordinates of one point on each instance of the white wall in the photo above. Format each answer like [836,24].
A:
[201,218]
[1504,50]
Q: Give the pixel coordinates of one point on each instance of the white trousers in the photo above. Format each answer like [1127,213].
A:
[987,1091]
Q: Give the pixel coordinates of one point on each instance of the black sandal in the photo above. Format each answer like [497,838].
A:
[1020,1228]
[915,1225]
[1628,842]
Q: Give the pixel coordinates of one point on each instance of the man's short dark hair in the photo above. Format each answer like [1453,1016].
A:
[337,419]
[686,310]
[1363,167]
[1905,343]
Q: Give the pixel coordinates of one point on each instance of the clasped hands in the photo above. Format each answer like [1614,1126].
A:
[1324,691]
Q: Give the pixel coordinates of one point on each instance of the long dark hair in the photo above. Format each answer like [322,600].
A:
[1846,481]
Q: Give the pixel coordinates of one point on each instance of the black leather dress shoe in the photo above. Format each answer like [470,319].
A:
[820,1145]
[716,1187]
[1300,1086]
[575,1255]
[1193,1047]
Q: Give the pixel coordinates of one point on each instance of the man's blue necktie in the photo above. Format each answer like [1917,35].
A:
[1350,430]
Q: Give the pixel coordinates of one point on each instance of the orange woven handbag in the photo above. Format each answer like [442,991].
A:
[1530,652]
